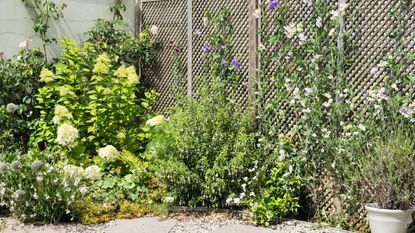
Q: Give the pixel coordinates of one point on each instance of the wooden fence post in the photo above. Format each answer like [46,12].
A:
[252,47]
[189,47]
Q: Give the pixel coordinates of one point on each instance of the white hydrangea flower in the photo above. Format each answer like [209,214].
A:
[61,114]
[108,153]
[11,107]
[92,172]
[67,135]
[157,120]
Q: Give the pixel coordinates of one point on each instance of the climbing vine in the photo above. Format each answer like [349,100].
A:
[44,11]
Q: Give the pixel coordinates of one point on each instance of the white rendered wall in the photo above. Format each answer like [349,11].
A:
[79,16]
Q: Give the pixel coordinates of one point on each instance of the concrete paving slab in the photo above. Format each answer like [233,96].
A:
[239,228]
[141,225]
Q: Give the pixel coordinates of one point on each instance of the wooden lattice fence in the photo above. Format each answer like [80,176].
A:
[370,25]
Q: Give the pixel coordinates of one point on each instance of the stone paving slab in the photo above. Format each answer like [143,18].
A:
[239,228]
[141,225]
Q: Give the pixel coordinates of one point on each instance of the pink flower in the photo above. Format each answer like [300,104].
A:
[257,13]
[24,44]
[154,30]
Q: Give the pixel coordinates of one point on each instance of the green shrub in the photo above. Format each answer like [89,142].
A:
[37,190]
[280,197]
[18,83]
[208,153]
[98,99]
[387,170]
[109,36]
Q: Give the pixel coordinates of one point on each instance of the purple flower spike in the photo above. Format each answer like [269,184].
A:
[207,48]
[273,5]
[236,64]
[224,62]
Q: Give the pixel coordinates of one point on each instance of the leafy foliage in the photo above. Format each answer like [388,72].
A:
[111,37]
[281,195]
[18,83]
[44,11]
[102,101]
[37,190]
[388,170]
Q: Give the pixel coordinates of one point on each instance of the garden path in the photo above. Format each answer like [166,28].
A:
[186,224]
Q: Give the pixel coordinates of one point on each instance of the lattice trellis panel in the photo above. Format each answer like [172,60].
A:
[170,16]
[369,23]
[239,18]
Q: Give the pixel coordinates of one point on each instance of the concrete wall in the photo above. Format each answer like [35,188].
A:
[79,16]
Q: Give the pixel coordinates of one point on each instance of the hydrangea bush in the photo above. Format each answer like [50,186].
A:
[86,97]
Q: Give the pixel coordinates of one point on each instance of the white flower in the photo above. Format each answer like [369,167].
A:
[205,21]
[319,22]
[108,153]
[342,8]
[11,108]
[157,120]
[252,194]
[327,95]
[307,110]
[334,14]
[246,179]
[243,186]
[72,170]
[92,172]
[61,114]
[154,30]
[362,127]
[228,200]
[308,2]
[290,30]
[308,91]
[242,195]
[326,104]
[236,201]
[302,38]
[169,199]
[374,70]
[407,111]
[24,44]
[257,13]
[383,64]
[83,190]
[332,32]
[67,135]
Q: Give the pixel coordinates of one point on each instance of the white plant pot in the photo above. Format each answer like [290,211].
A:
[388,221]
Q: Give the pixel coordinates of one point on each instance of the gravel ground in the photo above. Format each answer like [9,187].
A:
[194,223]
